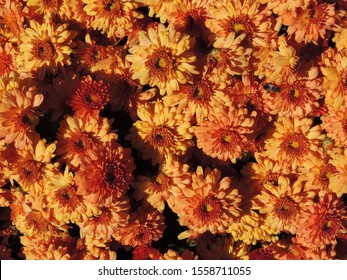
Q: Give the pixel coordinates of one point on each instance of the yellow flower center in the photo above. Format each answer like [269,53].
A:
[161,63]
[111,5]
[239,27]
[294,144]
[208,208]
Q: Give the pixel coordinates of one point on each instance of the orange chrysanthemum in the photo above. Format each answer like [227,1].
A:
[210,203]
[294,142]
[322,222]
[19,115]
[145,226]
[160,131]
[45,47]
[162,58]
[282,204]
[8,54]
[79,141]
[335,124]
[146,253]
[108,177]
[89,98]
[226,133]
[338,180]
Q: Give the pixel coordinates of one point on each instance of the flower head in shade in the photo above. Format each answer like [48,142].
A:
[210,203]
[294,142]
[226,133]
[321,223]
[89,98]
[67,205]
[107,177]
[160,131]
[211,247]
[45,47]
[162,58]
[145,226]
[298,99]
[8,54]
[262,254]
[199,97]
[79,141]
[146,253]
[19,115]
[113,17]
[174,255]
[282,204]
[335,124]
[311,21]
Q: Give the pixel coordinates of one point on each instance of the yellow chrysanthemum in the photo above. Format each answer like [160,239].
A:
[45,47]
[161,58]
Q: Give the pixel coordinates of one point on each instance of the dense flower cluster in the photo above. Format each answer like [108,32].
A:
[193,129]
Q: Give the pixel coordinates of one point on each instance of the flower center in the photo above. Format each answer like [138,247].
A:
[112,5]
[229,138]
[44,51]
[200,91]
[285,208]
[295,145]
[240,25]
[160,65]
[161,136]
[209,209]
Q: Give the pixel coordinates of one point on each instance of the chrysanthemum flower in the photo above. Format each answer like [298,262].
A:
[146,253]
[89,98]
[161,58]
[338,180]
[107,177]
[221,248]
[323,222]
[79,141]
[279,7]
[66,204]
[33,169]
[112,17]
[240,17]
[311,21]
[298,99]
[12,16]
[8,55]
[226,133]
[294,142]
[282,204]
[282,62]
[228,57]
[160,8]
[145,226]
[210,203]
[262,254]
[200,97]
[45,47]
[334,69]
[44,7]
[105,225]
[190,17]
[174,255]
[335,124]
[34,220]
[19,115]
[160,131]
[88,54]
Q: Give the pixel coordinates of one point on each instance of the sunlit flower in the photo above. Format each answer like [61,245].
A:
[45,47]
[240,17]
[298,99]
[33,169]
[44,7]
[145,226]
[199,97]
[282,204]
[67,205]
[112,17]
[280,7]
[160,131]
[12,16]
[226,133]
[108,177]
[19,115]
[323,222]
[335,124]
[338,180]
[160,8]
[8,55]
[294,142]
[209,204]
[161,59]
[311,22]
[89,98]
[78,140]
